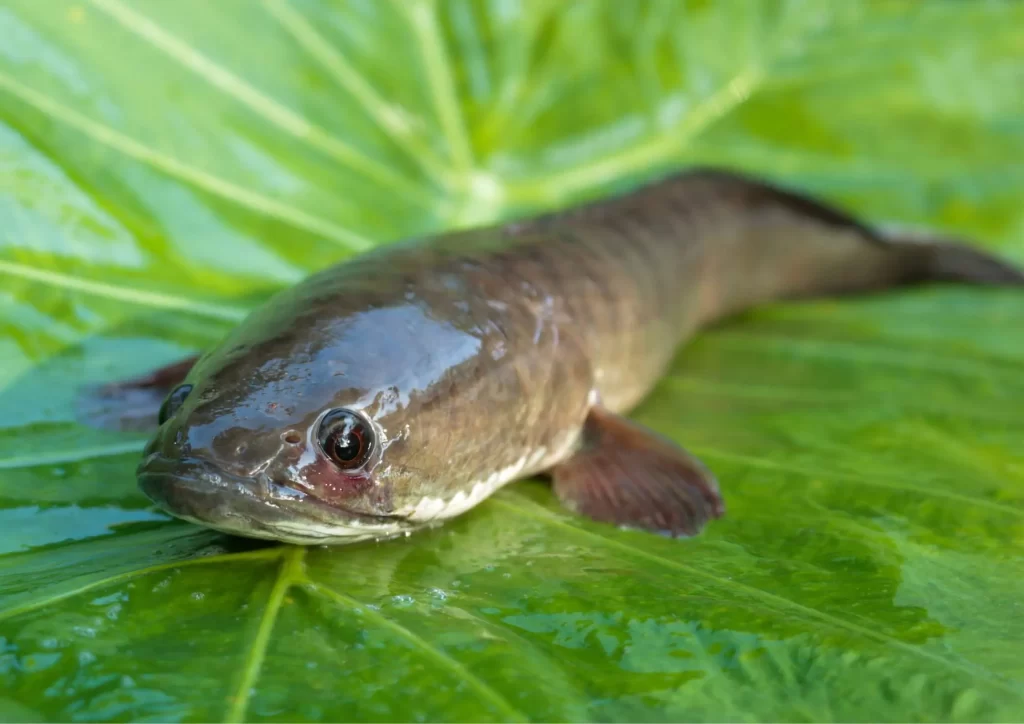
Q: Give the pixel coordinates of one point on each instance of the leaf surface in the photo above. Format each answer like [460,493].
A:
[164,166]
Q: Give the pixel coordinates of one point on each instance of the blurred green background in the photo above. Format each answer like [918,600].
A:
[166,164]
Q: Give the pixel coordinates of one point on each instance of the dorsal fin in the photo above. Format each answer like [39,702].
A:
[747,190]
[756,192]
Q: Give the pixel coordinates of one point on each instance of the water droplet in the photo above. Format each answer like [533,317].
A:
[198,595]
[86,657]
[506,575]
[403,600]
[127,682]
[456,583]
[311,664]
[104,600]
[49,643]
[439,594]
[489,567]
[86,631]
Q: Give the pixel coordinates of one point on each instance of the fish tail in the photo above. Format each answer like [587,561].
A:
[788,245]
[818,249]
[943,259]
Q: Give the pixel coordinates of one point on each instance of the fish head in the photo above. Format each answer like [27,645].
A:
[297,429]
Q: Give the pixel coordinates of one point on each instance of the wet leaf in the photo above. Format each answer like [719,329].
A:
[166,165]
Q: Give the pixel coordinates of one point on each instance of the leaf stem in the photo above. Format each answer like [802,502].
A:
[290,571]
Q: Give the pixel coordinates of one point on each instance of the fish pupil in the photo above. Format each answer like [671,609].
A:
[346,447]
[346,438]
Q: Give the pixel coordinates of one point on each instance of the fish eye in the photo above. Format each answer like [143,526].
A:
[173,402]
[347,438]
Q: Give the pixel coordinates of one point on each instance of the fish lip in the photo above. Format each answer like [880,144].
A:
[191,489]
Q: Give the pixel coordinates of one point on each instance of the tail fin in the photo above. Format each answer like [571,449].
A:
[944,259]
[952,261]
[799,246]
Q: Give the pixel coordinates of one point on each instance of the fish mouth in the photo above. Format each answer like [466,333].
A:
[193,490]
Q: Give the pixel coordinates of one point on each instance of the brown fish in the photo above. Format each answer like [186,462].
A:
[405,386]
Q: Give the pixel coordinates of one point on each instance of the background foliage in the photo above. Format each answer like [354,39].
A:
[166,164]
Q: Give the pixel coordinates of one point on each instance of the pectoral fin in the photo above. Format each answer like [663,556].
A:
[131,405]
[627,475]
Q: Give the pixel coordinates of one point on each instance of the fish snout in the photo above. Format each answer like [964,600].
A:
[192,488]
[191,499]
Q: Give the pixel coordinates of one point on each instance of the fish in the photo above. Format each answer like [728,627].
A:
[402,387]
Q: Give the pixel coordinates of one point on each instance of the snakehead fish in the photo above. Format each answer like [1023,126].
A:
[404,386]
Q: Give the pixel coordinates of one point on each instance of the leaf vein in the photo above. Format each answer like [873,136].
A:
[848,350]
[289,572]
[422,17]
[824,475]
[72,455]
[532,510]
[385,115]
[35,605]
[484,689]
[270,109]
[174,168]
[807,395]
[645,154]
[123,294]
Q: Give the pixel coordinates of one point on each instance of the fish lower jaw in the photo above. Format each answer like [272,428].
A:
[304,533]
[230,506]
[316,534]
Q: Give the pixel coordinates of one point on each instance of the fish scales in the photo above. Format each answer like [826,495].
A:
[406,385]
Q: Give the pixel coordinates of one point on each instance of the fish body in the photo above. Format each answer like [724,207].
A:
[403,387]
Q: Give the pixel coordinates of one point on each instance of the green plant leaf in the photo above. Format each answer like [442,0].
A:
[166,165]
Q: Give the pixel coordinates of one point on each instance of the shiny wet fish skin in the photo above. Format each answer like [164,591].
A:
[475,358]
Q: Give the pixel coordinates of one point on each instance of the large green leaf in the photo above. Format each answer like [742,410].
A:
[166,164]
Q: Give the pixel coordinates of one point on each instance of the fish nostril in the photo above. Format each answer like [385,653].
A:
[292,437]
